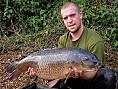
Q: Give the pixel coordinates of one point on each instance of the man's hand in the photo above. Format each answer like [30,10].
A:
[81,74]
[31,71]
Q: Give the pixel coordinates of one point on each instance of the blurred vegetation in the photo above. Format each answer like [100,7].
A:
[36,24]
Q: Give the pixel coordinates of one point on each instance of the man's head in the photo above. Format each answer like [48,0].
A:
[72,16]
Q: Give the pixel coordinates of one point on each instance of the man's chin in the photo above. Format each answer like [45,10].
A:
[73,30]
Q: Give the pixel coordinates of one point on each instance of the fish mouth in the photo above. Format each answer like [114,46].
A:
[92,69]
[98,64]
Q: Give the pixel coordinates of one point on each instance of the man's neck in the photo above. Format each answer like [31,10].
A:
[77,35]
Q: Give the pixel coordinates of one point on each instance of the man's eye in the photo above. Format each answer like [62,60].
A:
[65,18]
[72,15]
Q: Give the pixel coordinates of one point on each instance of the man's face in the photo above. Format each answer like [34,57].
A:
[72,18]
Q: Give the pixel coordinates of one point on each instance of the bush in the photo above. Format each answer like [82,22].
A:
[19,17]
[25,15]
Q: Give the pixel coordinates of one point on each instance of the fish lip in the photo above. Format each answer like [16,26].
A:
[98,64]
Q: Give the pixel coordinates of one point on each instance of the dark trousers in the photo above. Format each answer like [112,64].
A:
[104,79]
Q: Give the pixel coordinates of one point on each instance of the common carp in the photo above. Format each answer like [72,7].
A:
[53,63]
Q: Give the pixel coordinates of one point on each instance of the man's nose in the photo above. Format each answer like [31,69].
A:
[69,19]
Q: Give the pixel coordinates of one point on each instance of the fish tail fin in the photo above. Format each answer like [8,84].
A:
[10,67]
[15,74]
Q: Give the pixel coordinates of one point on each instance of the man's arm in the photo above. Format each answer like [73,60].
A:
[99,50]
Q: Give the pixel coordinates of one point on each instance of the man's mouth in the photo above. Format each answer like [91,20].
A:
[71,26]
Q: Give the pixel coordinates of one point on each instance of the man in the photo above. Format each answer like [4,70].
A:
[80,36]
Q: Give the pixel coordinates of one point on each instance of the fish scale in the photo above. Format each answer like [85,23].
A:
[53,63]
[52,70]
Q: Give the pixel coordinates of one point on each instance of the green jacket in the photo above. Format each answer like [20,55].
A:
[89,40]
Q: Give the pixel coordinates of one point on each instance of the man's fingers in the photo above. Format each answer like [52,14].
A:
[81,73]
[69,71]
[28,69]
[31,71]
[78,73]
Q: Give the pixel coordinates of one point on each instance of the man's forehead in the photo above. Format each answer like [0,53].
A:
[69,10]
[69,7]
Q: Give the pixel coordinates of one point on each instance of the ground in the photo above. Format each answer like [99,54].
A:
[111,55]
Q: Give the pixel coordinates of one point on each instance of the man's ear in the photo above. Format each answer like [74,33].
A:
[81,15]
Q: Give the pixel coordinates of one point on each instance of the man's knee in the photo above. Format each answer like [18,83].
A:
[108,74]
[108,77]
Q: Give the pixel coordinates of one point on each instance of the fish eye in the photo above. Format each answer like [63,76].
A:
[92,57]
[86,58]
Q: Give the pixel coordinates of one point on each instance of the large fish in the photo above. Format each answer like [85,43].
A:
[53,63]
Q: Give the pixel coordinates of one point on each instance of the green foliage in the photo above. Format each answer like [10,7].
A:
[41,19]
[112,36]
[26,15]
[101,15]
[108,34]
[103,18]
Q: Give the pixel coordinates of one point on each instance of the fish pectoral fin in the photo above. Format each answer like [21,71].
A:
[70,74]
[15,74]
[52,83]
